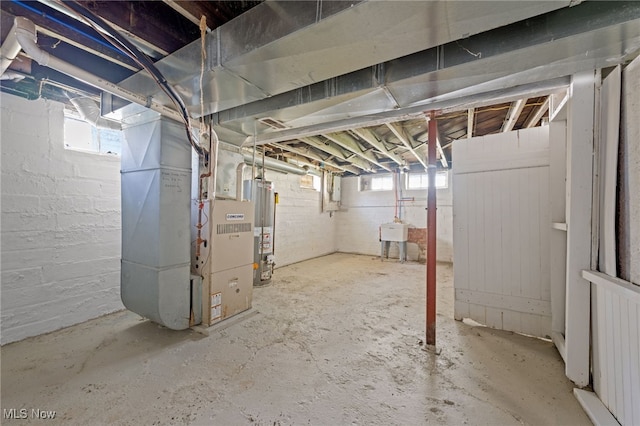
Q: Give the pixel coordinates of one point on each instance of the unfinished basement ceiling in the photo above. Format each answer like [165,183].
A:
[340,85]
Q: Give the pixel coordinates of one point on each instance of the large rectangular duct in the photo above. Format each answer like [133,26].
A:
[279,46]
[156,193]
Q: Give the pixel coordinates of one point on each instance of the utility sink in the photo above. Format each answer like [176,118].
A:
[394,232]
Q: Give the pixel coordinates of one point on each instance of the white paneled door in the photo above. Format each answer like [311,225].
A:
[502,223]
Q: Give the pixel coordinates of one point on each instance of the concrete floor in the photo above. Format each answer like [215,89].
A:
[334,340]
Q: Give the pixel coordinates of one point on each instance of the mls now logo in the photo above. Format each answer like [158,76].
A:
[23,413]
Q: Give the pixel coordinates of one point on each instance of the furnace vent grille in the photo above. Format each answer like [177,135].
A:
[233,228]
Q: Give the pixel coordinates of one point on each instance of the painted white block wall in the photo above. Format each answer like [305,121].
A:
[362,213]
[60,227]
[303,231]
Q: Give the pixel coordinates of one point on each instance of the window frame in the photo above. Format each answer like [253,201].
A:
[98,136]
[425,177]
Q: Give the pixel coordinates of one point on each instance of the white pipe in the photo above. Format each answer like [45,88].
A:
[25,33]
[9,50]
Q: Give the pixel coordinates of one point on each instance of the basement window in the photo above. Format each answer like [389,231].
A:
[421,180]
[82,136]
[310,182]
[376,183]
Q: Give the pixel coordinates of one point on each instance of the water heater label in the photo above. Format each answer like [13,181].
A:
[235,216]
[267,232]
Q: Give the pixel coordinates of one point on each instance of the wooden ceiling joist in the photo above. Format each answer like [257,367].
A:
[369,136]
[333,150]
[470,119]
[400,134]
[350,144]
[537,116]
[513,114]
[308,153]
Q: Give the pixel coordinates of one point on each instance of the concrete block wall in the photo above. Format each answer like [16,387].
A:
[303,231]
[362,213]
[60,227]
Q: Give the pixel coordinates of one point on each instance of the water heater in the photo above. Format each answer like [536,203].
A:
[260,192]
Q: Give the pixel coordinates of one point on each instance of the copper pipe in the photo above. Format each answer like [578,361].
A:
[199,239]
[431,232]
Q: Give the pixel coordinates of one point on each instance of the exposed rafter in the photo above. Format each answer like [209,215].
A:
[369,136]
[400,134]
[514,113]
[176,31]
[191,15]
[350,144]
[470,118]
[305,163]
[335,151]
[313,156]
[443,158]
[124,62]
[531,122]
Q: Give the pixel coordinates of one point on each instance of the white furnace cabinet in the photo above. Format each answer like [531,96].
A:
[226,261]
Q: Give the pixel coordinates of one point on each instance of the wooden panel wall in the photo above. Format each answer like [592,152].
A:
[616,345]
[502,226]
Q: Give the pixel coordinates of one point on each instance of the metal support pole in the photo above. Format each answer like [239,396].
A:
[431,232]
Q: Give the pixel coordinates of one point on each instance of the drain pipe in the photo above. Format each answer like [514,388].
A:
[90,112]
[25,34]
[10,49]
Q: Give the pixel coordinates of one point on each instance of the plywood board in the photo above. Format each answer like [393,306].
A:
[609,131]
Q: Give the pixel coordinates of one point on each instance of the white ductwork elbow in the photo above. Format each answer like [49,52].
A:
[89,111]
[25,32]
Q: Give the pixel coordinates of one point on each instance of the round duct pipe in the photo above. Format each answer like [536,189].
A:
[273,164]
[90,112]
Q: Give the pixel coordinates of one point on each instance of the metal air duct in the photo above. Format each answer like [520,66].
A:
[283,45]
[156,221]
